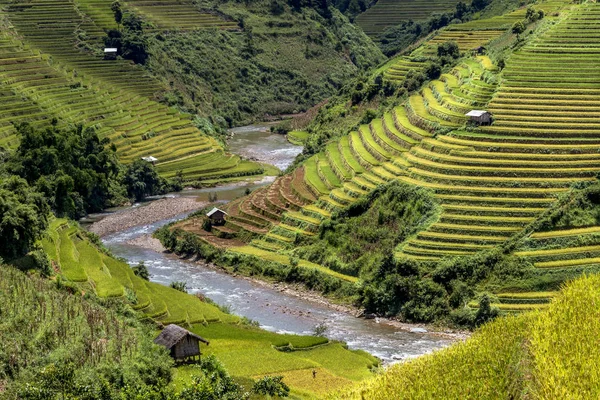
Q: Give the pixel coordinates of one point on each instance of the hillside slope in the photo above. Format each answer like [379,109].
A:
[494,183]
[237,344]
[48,73]
[52,68]
[543,355]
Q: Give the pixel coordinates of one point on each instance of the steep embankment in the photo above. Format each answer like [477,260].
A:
[246,351]
[544,355]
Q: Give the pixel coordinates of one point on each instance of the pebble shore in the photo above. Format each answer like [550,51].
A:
[146,214]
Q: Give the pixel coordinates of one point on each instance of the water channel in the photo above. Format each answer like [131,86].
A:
[273,309]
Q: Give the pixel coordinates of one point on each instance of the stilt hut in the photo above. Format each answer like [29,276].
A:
[183,344]
[480,117]
[216,216]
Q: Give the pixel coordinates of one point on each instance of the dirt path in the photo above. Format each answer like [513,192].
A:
[146,214]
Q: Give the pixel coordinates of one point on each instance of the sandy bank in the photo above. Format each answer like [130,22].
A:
[145,214]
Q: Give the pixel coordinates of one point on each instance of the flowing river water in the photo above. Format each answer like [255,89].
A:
[273,309]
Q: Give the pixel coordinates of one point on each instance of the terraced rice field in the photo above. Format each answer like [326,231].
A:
[80,261]
[493,183]
[387,13]
[44,75]
[178,15]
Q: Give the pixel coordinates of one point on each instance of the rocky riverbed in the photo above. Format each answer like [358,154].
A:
[145,214]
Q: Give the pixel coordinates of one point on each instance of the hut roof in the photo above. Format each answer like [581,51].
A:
[172,334]
[476,113]
[110,50]
[150,159]
[214,210]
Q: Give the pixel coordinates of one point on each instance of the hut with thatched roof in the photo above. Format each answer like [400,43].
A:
[182,344]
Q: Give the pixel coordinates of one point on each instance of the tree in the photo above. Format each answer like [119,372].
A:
[74,169]
[141,180]
[118,13]
[214,383]
[178,285]
[23,217]
[449,48]
[141,270]
[485,312]
[518,28]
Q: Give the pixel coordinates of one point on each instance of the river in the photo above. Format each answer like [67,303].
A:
[272,309]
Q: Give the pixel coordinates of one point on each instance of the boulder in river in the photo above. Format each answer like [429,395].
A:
[418,330]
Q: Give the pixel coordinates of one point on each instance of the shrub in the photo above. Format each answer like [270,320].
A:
[179,285]
[271,386]
[141,270]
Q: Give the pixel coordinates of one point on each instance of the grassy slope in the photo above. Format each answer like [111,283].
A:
[237,345]
[549,354]
[300,57]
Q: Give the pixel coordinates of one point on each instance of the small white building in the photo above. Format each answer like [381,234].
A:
[150,159]
[110,53]
[480,117]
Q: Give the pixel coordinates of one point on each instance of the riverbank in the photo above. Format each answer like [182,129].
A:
[299,291]
[151,212]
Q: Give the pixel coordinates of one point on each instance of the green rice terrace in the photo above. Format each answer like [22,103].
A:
[386,13]
[44,75]
[491,181]
[79,260]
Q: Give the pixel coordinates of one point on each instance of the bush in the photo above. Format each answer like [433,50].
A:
[271,386]
[179,285]
[141,270]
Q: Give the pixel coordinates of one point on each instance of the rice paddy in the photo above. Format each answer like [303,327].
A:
[237,346]
[46,76]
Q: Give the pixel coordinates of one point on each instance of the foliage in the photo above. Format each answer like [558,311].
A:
[23,217]
[141,270]
[179,285]
[221,75]
[56,345]
[141,180]
[214,383]
[355,240]
[271,386]
[74,169]
[131,43]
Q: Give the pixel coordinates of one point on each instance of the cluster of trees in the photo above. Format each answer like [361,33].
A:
[531,15]
[129,38]
[399,37]
[70,172]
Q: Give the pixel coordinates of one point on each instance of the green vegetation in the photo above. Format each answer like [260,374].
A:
[84,267]
[302,53]
[56,344]
[70,172]
[80,87]
[509,358]
[496,185]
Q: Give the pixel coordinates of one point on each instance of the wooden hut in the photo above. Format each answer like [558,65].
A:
[216,216]
[480,117]
[182,343]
